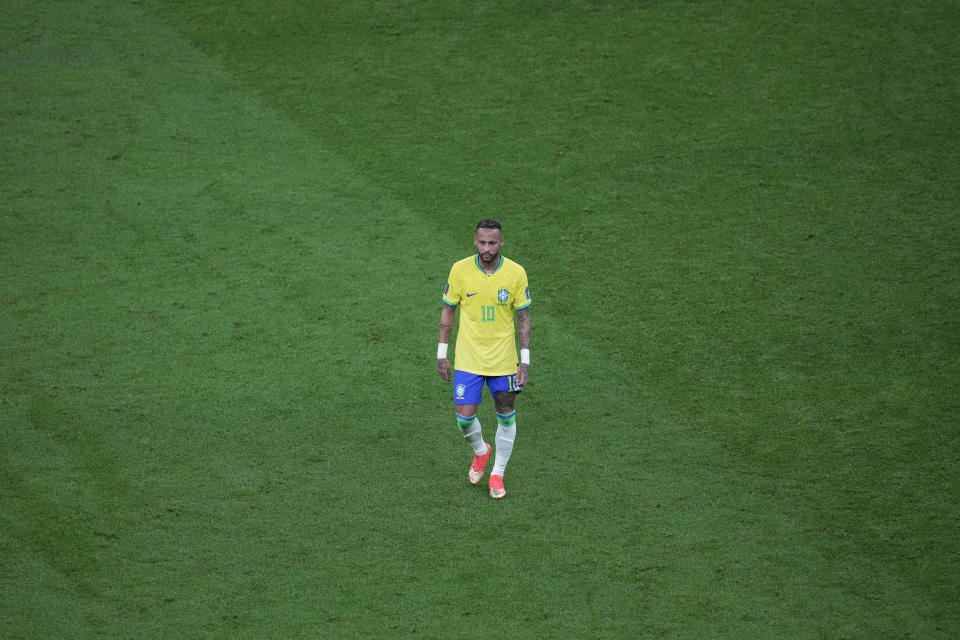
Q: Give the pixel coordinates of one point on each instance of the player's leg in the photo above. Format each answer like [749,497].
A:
[504,399]
[467,389]
[470,427]
[506,430]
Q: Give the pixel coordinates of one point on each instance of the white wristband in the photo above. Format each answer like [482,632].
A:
[524,356]
[441,351]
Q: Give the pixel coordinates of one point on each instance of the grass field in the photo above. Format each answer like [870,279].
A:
[224,232]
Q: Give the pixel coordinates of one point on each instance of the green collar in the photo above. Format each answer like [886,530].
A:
[476,260]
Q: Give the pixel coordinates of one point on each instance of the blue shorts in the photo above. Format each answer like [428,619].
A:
[468,387]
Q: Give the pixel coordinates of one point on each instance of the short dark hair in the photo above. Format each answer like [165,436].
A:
[489,223]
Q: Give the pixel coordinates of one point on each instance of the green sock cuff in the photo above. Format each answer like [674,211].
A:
[508,420]
[464,423]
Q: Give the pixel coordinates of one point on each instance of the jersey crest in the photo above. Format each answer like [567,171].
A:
[503,295]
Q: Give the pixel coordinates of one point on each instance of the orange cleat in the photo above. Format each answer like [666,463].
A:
[479,464]
[496,487]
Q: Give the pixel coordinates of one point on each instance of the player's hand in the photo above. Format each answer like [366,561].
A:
[443,368]
[523,374]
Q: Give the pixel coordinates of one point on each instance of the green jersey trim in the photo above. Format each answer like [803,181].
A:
[476,261]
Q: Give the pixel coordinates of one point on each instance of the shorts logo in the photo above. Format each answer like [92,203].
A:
[503,295]
[461,391]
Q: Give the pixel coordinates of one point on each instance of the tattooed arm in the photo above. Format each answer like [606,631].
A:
[447,314]
[523,331]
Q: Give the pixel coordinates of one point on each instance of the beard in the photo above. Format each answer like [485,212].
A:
[489,258]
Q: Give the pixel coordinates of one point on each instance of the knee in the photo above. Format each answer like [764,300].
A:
[504,402]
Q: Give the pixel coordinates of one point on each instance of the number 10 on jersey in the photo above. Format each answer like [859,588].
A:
[487,313]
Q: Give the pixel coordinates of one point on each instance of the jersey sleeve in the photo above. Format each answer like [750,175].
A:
[453,292]
[522,299]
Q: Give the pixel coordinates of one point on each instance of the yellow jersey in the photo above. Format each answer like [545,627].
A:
[486,338]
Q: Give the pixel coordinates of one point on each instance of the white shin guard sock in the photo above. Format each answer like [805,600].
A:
[505,438]
[474,437]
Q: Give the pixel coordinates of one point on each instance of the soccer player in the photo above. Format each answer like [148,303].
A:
[490,291]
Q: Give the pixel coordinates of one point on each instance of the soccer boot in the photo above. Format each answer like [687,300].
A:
[479,464]
[496,487]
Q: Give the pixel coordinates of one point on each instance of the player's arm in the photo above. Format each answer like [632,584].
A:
[523,337]
[447,315]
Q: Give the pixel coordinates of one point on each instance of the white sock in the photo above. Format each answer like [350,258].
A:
[505,438]
[473,434]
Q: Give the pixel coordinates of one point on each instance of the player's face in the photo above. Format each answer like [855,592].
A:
[488,243]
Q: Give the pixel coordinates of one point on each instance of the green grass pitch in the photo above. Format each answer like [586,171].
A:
[224,232]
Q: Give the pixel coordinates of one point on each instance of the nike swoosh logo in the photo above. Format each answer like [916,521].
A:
[471,294]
